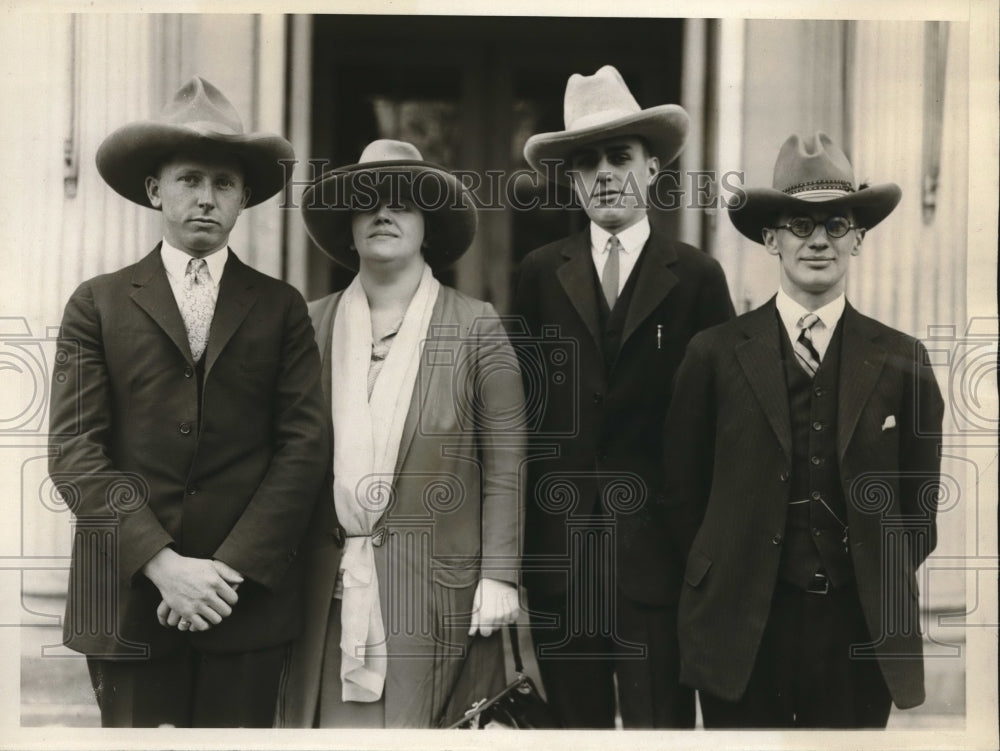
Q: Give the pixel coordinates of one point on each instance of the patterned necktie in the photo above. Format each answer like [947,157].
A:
[805,351]
[609,277]
[197,305]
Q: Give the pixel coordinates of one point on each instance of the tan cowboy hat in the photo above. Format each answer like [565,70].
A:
[199,116]
[393,171]
[810,173]
[601,106]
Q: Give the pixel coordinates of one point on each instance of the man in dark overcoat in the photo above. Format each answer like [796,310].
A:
[624,299]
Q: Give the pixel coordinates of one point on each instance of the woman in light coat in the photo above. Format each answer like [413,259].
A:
[403,621]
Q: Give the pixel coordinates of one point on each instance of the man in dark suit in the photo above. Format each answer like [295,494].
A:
[805,441]
[602,585]
[188,436]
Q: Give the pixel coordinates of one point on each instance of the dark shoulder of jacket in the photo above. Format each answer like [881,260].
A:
[109,279]
[722,337]
[271,284]
[551,251]
[894,340]
[697,261]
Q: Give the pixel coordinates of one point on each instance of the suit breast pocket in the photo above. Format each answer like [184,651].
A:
[698,565]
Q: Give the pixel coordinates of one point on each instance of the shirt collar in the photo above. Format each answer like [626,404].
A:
[791,311]
[632,239]
[176,262]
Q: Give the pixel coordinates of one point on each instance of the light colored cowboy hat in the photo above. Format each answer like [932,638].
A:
[392,171]
[811,173]
[601,106]
[199,117]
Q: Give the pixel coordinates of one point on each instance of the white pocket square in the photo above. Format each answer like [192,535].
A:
[889,424]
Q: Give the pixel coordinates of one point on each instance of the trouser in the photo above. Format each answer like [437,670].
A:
[189,689]
[805,675]
[580,665]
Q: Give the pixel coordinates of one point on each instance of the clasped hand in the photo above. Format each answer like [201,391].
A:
[197,592]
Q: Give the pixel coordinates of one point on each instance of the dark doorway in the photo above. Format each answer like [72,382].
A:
[468,91]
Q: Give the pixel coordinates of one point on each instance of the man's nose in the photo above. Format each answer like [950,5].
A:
[819,239]
[383,213]
[206,195]
[604,170]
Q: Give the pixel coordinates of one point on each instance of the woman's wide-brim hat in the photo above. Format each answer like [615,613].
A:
[198,120]
[392,172]
[811,173]
[599,107]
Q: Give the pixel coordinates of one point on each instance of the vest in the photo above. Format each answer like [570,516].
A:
[817,511]
[613,321]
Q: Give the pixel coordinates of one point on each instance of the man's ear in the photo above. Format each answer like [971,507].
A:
[153,191]
[770,240]
[653,165]
[246,197]
[859,237]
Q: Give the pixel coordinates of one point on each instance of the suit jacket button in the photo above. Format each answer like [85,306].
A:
[598,398]
[188,371]
[784,477]
[776,540]
[817,426]
[185,428]
[192,491]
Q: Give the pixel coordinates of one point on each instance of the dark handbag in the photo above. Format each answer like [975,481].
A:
[518,707]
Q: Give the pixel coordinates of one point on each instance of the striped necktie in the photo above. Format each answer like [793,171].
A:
[609,277]
[804,348]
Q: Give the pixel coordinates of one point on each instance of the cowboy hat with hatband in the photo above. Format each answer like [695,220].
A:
[812,174]
[391,171]
[199,118]
[599,107]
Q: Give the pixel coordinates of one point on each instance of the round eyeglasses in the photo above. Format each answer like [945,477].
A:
[804,226]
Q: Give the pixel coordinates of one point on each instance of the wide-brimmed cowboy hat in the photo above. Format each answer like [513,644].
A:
[391,171]
[811,173]
[198,119]
[599,107]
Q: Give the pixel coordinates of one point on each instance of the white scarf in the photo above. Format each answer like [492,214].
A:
[367,434]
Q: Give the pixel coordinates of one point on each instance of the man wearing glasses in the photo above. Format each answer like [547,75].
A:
[803,474]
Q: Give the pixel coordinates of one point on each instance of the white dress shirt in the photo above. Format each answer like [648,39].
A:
[176,262]
[822,331]
[632,240]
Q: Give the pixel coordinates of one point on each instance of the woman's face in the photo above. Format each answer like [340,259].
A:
[389,235]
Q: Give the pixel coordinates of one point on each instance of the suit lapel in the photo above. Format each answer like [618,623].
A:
[576,277]
[653,284]
[152,293]
[236,297]
[861,363]
[426,377]
[760,358]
